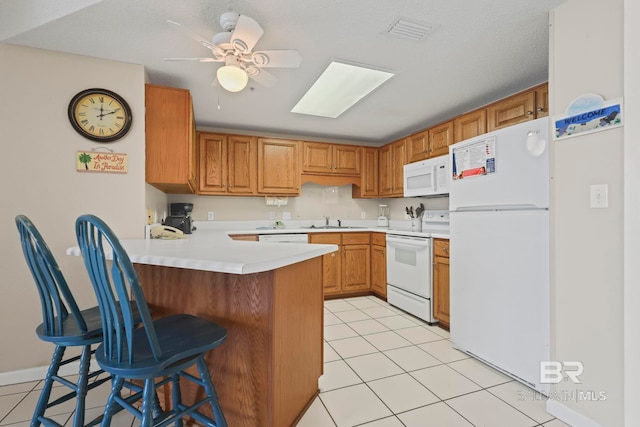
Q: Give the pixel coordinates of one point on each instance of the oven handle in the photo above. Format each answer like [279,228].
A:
[405,242]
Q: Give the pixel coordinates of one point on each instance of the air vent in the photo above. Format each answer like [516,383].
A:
[409,29]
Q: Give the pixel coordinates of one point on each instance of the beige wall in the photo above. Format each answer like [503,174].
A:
[40,180]
[632,210]
[314,203]
[586,55]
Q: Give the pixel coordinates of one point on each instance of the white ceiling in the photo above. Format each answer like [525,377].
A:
[479,51]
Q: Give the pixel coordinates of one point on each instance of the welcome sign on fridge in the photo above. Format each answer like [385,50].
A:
[499,203]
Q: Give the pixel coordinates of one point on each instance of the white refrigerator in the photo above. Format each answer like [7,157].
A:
[499,255]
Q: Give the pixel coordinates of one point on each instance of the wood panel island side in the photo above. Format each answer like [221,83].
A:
[269,298]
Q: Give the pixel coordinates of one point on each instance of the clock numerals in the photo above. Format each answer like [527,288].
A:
[100,115]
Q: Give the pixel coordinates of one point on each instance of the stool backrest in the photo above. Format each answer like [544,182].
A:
[112,286]
[55,297]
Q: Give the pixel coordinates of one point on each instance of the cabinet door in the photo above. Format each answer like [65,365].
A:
[417,147]
[212,159]
[441,289]
[542,101]
[398,160]
[470,125]
[379,270]
[331,263]
[242,164]
[385,184]
[317,157]
[278,167]
[369,175]
[356,267]
[170,148]
[440,138]
[346,159]
[511,111]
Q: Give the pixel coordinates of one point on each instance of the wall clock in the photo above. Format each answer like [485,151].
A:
[100,115]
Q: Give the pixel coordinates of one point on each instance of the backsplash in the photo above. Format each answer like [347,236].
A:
[315,202]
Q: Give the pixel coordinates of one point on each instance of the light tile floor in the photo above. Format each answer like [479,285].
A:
[383,368]
[386,368]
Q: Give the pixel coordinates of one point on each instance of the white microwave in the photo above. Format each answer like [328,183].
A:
[428,177]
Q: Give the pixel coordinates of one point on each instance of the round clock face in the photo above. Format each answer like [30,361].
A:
[100,115]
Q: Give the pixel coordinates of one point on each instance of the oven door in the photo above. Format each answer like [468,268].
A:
[409,264]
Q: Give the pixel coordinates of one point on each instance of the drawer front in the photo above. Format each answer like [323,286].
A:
[325,238]
[356,238]
[379,239]
[441,247]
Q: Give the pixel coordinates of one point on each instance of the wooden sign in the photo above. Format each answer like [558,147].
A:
[92,161]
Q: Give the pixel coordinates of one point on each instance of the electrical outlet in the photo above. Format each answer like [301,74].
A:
[272,215]
[363,215]
[286,215]
[209,216]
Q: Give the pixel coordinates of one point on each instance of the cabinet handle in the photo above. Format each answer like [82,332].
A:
[529,113]
[539,109]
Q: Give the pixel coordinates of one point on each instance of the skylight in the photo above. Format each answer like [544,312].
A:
[338,88]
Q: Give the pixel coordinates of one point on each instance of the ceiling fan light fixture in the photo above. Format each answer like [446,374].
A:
[231,76]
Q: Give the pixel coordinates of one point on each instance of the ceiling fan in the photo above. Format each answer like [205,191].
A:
[234,48]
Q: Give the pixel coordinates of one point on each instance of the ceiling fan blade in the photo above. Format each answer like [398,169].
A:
[213,48]
[263,77]
[246,34]
[277,58]
[194,59]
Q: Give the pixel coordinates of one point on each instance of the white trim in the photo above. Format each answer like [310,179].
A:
[40,372]
[568,415]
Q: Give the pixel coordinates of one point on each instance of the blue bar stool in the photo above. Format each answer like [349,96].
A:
[162,348]
[63,325]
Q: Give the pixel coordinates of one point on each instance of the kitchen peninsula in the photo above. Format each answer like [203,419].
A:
[268,296]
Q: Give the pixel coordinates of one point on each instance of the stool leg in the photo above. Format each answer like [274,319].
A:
[211,393]
[176,397]
[43,400]
[81,392]
[148,397]
[109,409]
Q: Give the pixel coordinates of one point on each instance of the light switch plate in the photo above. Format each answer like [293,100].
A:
[286,215]
[209,216]
[600,196]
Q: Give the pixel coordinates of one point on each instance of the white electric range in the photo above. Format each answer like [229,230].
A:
[410,264]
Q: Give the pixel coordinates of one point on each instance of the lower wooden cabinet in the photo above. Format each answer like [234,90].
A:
[379,264]
[348,270]
[441,281]
[245,237]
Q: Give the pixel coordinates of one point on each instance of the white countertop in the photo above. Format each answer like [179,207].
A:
[210,248]
[214,250]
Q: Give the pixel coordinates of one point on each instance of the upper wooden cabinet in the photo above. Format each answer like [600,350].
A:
[417,146]
[170,139]
[227,164]
[470,125]
[542,101]
[278,166]
[391,169]
[369,174]
[324,158]
[440,138]
[529,105]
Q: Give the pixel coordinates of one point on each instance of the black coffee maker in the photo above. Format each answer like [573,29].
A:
[180,217]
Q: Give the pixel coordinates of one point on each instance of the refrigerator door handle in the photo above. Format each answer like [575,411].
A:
[520,207]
